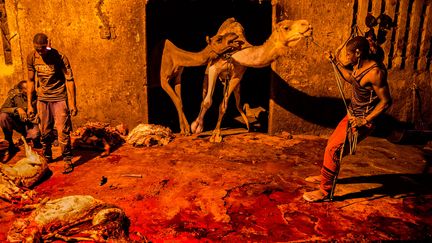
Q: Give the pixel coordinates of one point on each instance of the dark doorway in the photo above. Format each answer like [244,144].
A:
[187,23]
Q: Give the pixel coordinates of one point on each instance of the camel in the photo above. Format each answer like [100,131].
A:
[175,59]
[287,34]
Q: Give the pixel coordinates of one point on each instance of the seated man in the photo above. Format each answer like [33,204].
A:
[13,116]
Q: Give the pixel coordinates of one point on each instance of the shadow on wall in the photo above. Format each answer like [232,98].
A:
[328,111]
[323,111]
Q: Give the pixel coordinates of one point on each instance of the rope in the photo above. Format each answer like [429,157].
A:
[339,85]
[350,134]
[355,31]
[228,59]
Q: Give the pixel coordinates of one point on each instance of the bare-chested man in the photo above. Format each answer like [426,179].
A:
[370,98]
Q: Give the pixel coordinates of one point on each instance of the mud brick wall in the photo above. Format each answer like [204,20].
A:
[105,43]
[304,95]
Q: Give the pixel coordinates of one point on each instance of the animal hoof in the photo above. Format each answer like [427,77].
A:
[216,138]
[185,133]
[194,126]
[188,132]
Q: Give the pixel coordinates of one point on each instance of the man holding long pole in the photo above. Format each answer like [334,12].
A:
[370,98]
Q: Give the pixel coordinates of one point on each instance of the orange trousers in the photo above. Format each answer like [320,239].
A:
[335,143]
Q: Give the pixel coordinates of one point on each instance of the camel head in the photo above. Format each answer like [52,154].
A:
[222,43]
[290,32]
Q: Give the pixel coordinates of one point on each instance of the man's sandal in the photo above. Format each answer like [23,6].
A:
[68,167]
[315,196]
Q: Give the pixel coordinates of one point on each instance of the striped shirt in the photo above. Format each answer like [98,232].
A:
[363,100]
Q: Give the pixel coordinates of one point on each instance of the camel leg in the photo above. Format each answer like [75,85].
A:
[205,83]
[239,108]
[177,102]
[198,124]
[184,124]
[216,136]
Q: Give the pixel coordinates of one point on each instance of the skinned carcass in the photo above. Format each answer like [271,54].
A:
[100,136]
[72,218]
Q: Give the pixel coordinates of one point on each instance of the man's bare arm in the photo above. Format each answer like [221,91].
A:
[378,79]
[71,92]
[30,90]
[344,72]
[70,85]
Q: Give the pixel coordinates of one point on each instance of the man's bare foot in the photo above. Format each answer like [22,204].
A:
[314,179]
[315,196]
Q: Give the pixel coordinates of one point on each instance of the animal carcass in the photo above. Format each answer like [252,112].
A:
[15,180]
[98,135]
[72,218]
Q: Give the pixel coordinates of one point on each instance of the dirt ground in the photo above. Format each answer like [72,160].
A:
[249,188]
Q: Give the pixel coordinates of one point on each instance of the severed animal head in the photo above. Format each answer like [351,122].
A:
[149,135]
[72,218]
[222,43]
[290,32]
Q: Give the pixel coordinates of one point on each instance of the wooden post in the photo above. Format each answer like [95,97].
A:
[425,42]
[376,8]
[5,34]
[145,101]
[413,34]
[361,14]
[390,10]
[400,33]
[272,103]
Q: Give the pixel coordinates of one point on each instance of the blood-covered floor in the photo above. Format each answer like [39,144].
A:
[249,188]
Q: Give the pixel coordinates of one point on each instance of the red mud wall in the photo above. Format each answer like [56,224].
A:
[105,43]
[304,95]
